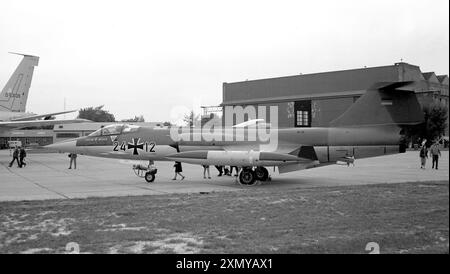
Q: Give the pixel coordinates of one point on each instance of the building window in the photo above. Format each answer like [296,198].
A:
[302,118]
[67,135]
[302,113]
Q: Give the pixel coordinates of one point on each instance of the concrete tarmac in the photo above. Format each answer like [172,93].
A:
[47,176]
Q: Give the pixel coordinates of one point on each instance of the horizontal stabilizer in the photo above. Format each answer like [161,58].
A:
[390,85]
[23,54]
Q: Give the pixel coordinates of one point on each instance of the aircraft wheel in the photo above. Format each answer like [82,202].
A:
[247,177]
[149,177]
[262,174]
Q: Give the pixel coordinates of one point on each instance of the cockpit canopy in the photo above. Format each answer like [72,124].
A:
[115,129]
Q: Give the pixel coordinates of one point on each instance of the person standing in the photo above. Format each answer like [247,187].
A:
[206,169]
[435,154]
[22,155]
[423,156]
[15,157]
[234,168]
[73,159]
[226,171]
[178,170]
[220,169]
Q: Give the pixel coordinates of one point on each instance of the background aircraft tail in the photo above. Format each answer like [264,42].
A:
[383,104]
[15,93]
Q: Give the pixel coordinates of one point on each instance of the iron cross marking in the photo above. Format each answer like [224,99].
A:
[135,145]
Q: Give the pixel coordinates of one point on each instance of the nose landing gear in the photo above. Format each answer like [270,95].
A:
[150,175]
[146,172]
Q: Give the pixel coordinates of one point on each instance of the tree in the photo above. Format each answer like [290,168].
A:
[435,122]
[96,114]
[206,119]
[191,119]
[135,119]
[436,116]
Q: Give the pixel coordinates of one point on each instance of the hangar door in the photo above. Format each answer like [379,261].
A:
[302,110]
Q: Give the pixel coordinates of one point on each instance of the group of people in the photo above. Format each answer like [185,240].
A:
[223,170]
[206,172]
[19,155]
[434,152]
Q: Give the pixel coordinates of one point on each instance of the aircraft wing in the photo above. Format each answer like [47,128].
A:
[35,117]
[39,123]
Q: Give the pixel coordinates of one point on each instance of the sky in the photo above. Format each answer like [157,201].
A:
[160,58]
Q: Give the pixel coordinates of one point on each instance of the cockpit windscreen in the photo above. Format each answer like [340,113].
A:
[108,130]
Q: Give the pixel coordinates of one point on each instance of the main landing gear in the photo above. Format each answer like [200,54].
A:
[249,175]
[146,172]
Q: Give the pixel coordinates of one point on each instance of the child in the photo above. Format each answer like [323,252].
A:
[178,170]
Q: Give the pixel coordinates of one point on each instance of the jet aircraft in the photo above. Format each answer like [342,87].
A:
[13,100]
[373,126]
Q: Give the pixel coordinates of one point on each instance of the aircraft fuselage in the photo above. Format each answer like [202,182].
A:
[156,144]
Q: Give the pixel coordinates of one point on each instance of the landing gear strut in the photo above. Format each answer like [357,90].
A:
[146,172]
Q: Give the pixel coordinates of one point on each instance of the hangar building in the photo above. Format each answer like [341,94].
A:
[314,100]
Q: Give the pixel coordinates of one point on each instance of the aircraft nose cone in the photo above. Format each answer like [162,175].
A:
[65,146]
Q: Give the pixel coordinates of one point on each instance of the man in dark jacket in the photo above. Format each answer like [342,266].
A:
[435,154]
[22,155]
[73,159]
[15,157]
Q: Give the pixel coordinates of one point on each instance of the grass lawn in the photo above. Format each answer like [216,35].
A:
[401,218]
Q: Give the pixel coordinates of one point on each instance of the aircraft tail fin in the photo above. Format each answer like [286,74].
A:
[15,93]
[383,104]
